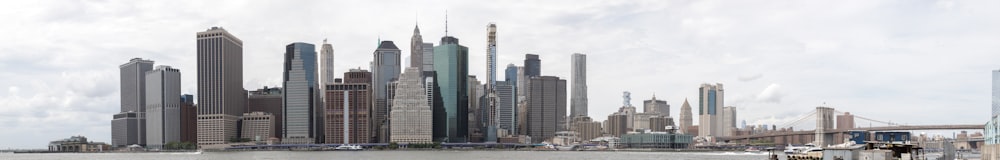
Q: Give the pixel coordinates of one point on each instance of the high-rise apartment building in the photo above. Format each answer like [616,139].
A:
[348,109]
[451,62]
[710,102]
[301,95]
[489,107]
[221,97]
[410,115]
[163,114]
[546,107]
[129,125]
[386,69]
[578,68]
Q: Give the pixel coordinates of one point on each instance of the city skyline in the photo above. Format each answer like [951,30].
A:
[668,57]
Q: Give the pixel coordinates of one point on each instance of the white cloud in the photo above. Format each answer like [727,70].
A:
[771,94]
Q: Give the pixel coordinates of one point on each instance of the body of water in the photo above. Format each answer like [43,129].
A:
[404,155]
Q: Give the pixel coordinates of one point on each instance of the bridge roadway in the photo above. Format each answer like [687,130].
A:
[888,128]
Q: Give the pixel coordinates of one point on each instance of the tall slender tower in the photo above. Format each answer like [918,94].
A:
[491,82]
[386,70]
[221,97]
[685,117]
[417,49]
[326,63]
[163,123]
[578,106]
[128,126]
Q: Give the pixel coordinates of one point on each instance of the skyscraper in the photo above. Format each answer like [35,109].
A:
[129,126]
[710,102]
[685,117]
[428,57]
[326,64]
[268,100]
[386,69]
[728,120]
[510,74]
[578,106]
[348,109]
[221,97]
[996,93]
[189,119]
[546,107]
[532,65]
[410,115]
[300,95]
[506,109]
[163,123]
[656,106]
[475,95]
[489,106]
[417,49]
[451,62]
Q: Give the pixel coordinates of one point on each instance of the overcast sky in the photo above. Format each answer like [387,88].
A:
[908,61]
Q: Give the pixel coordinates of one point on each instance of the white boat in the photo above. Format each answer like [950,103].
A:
[791,149]
[752,150]
[348,147]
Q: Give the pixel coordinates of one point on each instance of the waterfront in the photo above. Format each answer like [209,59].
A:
[409,155]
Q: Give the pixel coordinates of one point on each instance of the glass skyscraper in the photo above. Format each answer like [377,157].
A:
[451,62]
[300,95]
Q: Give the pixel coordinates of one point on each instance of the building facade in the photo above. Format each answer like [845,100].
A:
[163,109]
[991,150]
[845,121]
[411,114]
[586,127]
[532,65]
[268,100]
[128,126]
[710,103]
[578,74]
[257,126]
[728,120]
[386,69]
[417,49]
[655,140]
[546,107]
[451,62]
[348,109]
[685,118]
[189,119]
[301,95]
[506,109]
[221,97]
[656,106]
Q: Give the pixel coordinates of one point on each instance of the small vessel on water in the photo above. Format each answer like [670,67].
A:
[752,150]
[349,147]
[793,149]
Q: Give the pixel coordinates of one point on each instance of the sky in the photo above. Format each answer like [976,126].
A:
[906,61]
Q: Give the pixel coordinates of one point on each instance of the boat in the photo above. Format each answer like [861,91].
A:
[752,150]
[566,148]
[792,149]
[348,147]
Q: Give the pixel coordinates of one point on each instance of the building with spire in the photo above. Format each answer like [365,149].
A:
[685,121]
[386,70]
[417,49]
[451,64]
[656,106]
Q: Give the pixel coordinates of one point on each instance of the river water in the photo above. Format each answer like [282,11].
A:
[405,155]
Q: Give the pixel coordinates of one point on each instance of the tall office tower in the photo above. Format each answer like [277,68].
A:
[268,100]
[221,97]
[411,115]
[506,109]
[532,65]
[326,64]
[189,119]
[163,109]
[510,74]
[991,150]
[710,102]
[546,107]
[617,124]
[327,75]
[439,114]
[348,109]
[490,96]
[129,126]
[417,49]
[578,106]
[475,113]
[656,106]
[728,120]
[428,57]
[386,69]
[301,95]
[522,101]
[451,62]
[996,93]
[257,126]
[685,118]
[845,121]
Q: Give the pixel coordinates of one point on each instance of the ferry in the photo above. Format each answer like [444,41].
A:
[348,147]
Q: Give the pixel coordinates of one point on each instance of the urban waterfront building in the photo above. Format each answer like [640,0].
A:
[189,119]
[386,69]
[710,102]
[661,123]
[845,121]
[78,144]
[301,95]
[489,107]
[221,97]
[268,100]
[546,107]
[685,121]
[451,62]
[411,114]
[163,114]
[129,125]
[991,150]
[656,106]
[474,92]
[257,126]
[348,109]
[728,120]
[655,140]
[586,127]
[532,65]
[506,109]
[578,106]
[617,124]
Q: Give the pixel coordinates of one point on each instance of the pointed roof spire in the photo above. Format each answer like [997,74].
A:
[416,30]
[445,23]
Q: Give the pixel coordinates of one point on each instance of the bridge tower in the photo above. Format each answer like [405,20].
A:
[824,123]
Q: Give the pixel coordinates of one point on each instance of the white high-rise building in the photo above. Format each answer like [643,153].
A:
[578,102]
[221,97]
[710,111]
[163,114]
[489,108]
[410,115]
